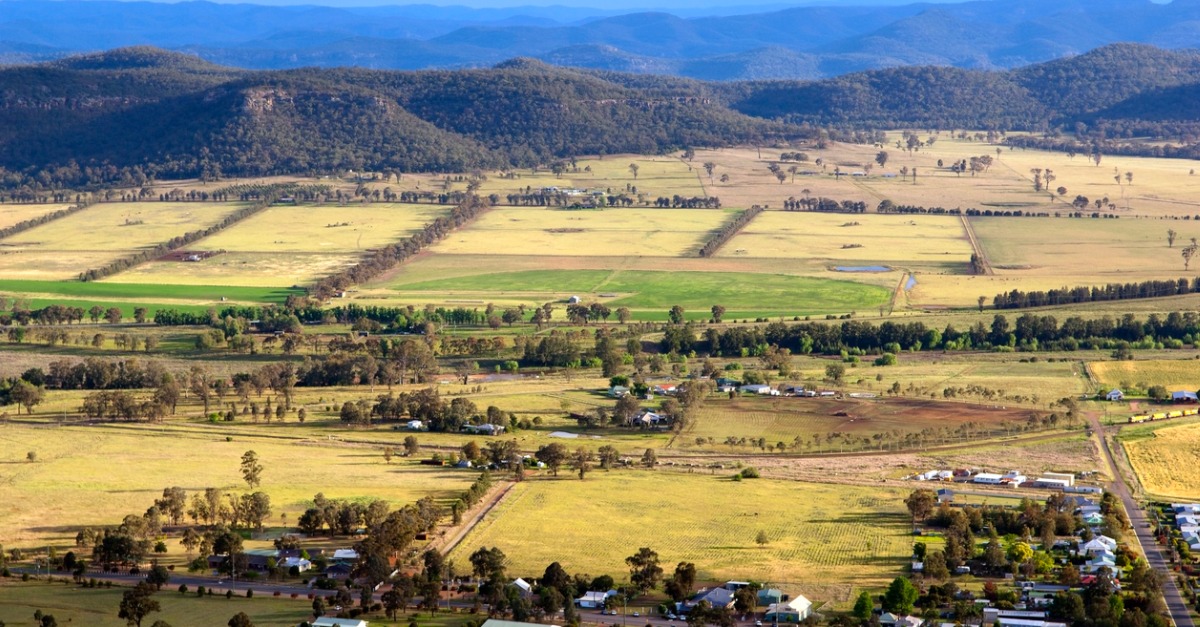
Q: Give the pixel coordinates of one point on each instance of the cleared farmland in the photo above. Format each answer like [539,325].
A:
[936,243]
[637,232]
[817,534]
[1174,374]
[1161,458]
[288,245]
[658,291]
[64,248]
[11,214]
[94,476]
[811,424]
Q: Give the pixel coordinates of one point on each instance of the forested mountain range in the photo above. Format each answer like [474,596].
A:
[806,42]
[127,114]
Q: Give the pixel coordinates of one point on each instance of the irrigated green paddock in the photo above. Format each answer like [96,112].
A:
[657,292]
[817,534]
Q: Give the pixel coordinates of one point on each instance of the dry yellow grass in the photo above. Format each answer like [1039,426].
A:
[63,248]
[1162,459]
[1174,374]
[94,476]
[289,245]
[819,535]
[637,232]
[869,239]
[11,214]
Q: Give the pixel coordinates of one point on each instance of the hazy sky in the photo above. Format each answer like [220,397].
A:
[598,4]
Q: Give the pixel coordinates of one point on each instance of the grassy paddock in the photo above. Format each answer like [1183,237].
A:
[1160,457]
[817,534]
[103,232]
[659,291]
[94,476]
[11,214]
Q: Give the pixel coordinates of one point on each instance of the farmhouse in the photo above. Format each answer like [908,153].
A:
[524,588]
[717,598]
[618,391]
[488,429]
[794,611]
[592,600]
[1115,395]
[759,388]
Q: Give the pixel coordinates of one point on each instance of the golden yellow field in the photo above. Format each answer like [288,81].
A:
[818,534]
[657,176]
[63,248]
[94,476]
[869,239]
[289,245]
[1164,459]
[11,214]
[637,232]
[1174,374]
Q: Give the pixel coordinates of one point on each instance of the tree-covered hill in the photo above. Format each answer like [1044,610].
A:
[128,114]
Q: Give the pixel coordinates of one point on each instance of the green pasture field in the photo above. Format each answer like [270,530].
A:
[818,534]
[95,475]
[64,248]
[291,245]
[657,292]
[11,214]
[1174,374]
[932,243]
[74,605]
[144,291]
[1161,455]
[639,232]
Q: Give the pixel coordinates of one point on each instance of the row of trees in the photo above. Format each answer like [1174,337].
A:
[388,257]
[125,263]
[728,230]
[1017,299]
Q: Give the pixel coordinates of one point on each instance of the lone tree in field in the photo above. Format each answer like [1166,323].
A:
[251,469]
[552,455]
[138,603]
[1188,252]
[1171,235]
[718,312]
[581,461]
[761,539]
[882,158]
[644,571]
[633,169]
[982,301]
[675,315]
[709,166]
[920,504]
[26,394]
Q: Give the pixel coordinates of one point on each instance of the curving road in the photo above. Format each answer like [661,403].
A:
[1155,554]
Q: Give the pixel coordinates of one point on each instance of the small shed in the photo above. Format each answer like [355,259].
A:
[1183,397]
[1115,395]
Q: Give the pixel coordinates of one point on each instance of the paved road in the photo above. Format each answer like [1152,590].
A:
[1155,554]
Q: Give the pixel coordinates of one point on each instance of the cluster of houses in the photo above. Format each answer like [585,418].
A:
[1187,519]
[1013,478]
[726,386]
[779,607]
[338,565]
[1181,396]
